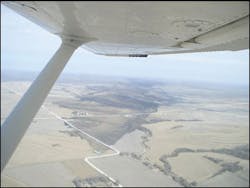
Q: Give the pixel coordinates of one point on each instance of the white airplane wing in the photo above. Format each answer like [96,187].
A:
[144,28]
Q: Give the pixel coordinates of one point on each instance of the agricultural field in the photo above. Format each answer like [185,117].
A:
[131,132]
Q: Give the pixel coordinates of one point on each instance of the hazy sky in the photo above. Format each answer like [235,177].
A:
[26,46]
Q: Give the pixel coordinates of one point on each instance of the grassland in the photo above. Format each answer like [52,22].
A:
[168,134]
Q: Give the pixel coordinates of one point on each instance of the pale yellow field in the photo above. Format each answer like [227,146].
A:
[189,143]
[46,156]
[227,126]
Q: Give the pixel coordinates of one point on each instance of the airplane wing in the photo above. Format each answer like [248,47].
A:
[144,28]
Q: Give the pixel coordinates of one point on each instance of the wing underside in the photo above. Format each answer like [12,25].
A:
[144,28]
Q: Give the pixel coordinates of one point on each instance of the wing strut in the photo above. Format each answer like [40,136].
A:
[15,126]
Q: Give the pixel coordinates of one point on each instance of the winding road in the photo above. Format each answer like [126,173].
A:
[117,152]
